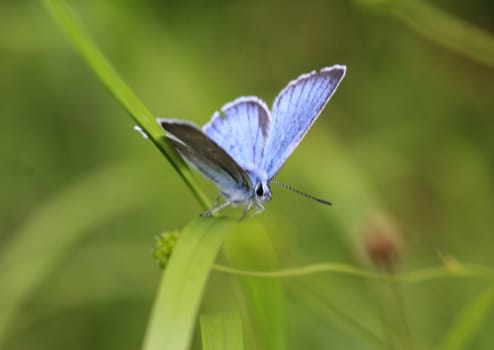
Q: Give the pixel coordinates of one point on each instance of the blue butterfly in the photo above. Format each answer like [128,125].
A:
[244,145]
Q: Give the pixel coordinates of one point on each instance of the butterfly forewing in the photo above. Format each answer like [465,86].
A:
[205,155]
[241,129]
[294,111]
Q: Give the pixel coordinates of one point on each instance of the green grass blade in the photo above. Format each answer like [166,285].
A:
[222,331]
[250,247]
[174,312]
[110,78]
[469,322]
[59,222]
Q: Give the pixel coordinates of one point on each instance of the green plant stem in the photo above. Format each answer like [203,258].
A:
[418,276]
[110,78]
[394,315]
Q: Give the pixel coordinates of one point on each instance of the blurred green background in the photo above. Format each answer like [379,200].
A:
[404,150]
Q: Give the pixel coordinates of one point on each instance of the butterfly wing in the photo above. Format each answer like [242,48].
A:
[294,111]
[207,157]
[241,129]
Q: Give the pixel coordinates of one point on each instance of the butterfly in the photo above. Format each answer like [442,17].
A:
[245,144]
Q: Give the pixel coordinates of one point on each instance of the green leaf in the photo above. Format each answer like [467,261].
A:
[222,331]
[174,312]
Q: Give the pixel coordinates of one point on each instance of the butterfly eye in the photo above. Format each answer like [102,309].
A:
[259,190]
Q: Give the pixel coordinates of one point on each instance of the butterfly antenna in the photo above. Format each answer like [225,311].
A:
[306,195]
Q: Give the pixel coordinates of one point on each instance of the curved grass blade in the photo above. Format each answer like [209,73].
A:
[174,312]
[110,78]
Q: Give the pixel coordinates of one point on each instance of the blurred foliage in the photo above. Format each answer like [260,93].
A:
[403,149]
[222,331]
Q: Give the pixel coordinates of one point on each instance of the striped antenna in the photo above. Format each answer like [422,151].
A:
[306,195]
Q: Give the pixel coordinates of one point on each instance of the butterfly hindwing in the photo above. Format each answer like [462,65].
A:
[241,129]
[294,111]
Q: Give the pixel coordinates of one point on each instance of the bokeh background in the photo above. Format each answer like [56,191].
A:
[404,150]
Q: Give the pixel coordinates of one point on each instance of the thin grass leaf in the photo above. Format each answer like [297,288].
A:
[110,78]
[174,312]
[222,331]
[47,235]
[469,322]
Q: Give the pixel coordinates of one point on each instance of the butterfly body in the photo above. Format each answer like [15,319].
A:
[244,145]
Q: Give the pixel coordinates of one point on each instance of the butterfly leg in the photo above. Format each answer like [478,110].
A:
[248,207]
[215,208]
[260,208]
[217,200]
[215,204]
[246,210]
